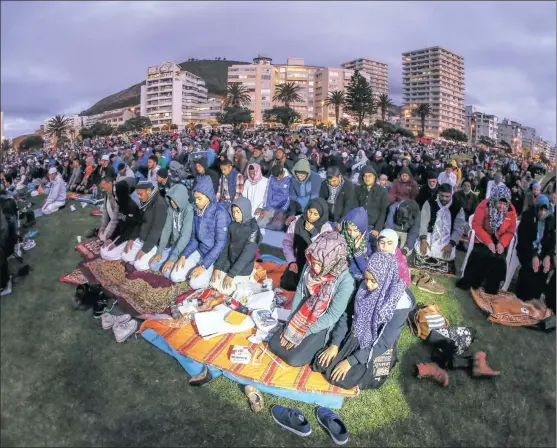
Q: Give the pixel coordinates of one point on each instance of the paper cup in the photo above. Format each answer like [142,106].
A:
[79,239]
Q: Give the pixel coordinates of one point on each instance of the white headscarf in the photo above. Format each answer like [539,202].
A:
[390,235]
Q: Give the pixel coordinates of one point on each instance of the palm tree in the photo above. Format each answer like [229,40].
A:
[422,111]
[237,96]
[57,126]
[384,102]
[288,93]
[336,98]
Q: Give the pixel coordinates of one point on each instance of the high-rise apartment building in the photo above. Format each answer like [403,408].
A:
[172,95]
[479,124]
[260,79]
[377,73]
[528,138]
[433,76]
[295,71]
[329,80]
[1,126]
[511,132]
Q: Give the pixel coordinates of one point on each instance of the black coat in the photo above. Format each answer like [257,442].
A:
[152,221]
[238,256]
[425,194]
[344,201]
[469,202]
[129,223]
[376,203]
[527,233]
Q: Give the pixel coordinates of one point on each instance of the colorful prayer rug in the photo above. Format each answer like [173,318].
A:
[268,369]
[506,309]
[75,277]
[96,212]
[90,249]
[144,292]
[72,195]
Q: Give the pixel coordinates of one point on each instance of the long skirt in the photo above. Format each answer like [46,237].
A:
[484,268]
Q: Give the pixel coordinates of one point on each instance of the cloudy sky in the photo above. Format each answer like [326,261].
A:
[62,57]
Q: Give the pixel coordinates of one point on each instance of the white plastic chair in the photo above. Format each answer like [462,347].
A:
[512,261]
[471,238]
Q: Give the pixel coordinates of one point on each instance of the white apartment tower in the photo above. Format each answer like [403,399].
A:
[172,95]
[511,132]
[377,73]
[259,79]
[480,125]
[433,76]
[295,71]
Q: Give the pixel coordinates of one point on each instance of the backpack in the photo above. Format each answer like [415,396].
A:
[425,318]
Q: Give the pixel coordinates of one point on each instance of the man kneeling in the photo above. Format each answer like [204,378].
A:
[210,229]
[235,264]
[57,194]
[153,215]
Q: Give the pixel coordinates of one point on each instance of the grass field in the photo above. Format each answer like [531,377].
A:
[66,382]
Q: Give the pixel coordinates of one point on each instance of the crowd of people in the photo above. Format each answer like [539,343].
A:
[357,211]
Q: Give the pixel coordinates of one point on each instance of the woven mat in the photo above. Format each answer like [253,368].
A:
[90,249]
[75,277]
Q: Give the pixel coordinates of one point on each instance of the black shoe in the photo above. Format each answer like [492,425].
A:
[201,379]
[462,284]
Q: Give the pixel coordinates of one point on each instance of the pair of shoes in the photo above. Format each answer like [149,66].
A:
[28,245]
[7,289]
[296,422]
[255,397]
[201,379]
[109,320]
[432,370]
[122,326]
[427,284]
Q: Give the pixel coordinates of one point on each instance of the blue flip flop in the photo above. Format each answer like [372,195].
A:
[333,424]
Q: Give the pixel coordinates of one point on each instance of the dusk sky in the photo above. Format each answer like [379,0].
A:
[62,57]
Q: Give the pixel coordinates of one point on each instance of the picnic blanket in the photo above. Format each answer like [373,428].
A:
[215,352]
[137,292]
[90,249]
[506,309]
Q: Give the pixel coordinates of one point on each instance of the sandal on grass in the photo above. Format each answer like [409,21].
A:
[255,397]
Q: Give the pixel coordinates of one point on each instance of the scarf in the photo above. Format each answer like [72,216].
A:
[351,242]
[333,191]
[442,229]
[362,161]
[300,228]
[541,201]
[258,175]
[375,308]
[144,205]
[329,249]
[497,217]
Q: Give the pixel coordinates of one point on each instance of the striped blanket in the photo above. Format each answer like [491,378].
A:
[215,352]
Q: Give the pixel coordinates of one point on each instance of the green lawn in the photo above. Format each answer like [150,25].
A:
[66,382]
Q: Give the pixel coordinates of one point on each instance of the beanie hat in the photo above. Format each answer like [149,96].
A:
[431,175]
[405,170]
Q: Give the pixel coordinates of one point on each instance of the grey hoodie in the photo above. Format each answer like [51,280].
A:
[178,226]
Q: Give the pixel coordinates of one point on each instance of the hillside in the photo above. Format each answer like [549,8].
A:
[215,74]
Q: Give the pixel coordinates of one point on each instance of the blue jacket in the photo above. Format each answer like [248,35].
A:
[303,192]
[117,161]
[278,194]
[167,156]
[143,159]
[210,227]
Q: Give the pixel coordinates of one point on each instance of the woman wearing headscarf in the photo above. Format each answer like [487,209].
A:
[388,244]
[359,163]
[494,223]
[381,307]
[299,235]
[535,249]
[321,299]
[355,231]
[129,222]
[255,187]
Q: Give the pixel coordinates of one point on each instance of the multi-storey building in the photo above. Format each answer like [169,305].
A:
[550,153]
[433,76]
[511,133]
[377,73]
[171,95]
[259,79]
[479,124]
[208,112]
[114,117]
[295,71]
[74,121]
[329,80]
[1,126]
[528,138]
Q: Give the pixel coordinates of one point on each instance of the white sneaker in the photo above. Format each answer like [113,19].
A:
[28,245]
[125,330]
[109,320]
[8,289]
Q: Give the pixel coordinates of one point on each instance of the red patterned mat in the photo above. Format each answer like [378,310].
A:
[90,249]
[75,277]
[96,212]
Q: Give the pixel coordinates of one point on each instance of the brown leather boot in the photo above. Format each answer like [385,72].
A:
[481,368]
[432,370]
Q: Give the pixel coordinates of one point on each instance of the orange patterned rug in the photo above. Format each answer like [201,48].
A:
[90,249]
[215,352]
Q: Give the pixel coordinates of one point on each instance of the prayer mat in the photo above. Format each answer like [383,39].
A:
[88,199]
[138,292]
[75,277]
[432,265]
[90,249]
[506,309]
[268,369]
[96,212]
